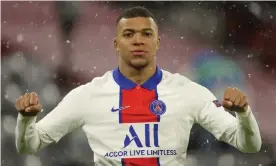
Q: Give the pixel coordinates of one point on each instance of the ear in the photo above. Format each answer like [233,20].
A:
[158,42]
[115,44]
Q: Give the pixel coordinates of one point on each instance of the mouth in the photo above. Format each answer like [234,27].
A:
[138,52]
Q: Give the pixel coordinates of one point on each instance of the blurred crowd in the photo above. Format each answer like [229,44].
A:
[53,47]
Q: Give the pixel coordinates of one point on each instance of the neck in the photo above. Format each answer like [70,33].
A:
[138,76]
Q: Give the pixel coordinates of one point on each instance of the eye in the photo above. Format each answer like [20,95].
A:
[128,34]
[147,34]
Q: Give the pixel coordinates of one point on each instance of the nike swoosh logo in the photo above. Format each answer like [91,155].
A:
[118,109]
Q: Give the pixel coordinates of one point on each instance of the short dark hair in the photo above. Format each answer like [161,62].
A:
[136,11]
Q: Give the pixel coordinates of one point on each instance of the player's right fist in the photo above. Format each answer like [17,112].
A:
[28,105]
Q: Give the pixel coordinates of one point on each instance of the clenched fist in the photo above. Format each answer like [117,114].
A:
[235,100]
[28,105]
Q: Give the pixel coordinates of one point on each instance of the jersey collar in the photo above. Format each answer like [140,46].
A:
[125,83]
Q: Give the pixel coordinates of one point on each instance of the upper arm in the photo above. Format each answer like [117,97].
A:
[213,117]
[65,117]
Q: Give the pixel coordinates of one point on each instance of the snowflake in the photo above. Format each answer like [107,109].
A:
[20,38]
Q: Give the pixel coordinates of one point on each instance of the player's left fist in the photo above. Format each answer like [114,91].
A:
[235,100]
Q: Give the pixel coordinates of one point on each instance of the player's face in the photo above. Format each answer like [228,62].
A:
[137,41]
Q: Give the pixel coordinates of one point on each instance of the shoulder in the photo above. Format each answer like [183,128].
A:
[174,79]
[186,86]
[102,80]
[96,84]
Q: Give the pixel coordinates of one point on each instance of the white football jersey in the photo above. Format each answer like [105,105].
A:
[147,125]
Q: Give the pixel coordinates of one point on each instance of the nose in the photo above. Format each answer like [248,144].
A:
[138,40]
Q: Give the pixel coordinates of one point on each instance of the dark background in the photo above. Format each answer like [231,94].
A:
[52,47]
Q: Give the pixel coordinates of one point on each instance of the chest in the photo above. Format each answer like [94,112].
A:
[140,118]
[139,106]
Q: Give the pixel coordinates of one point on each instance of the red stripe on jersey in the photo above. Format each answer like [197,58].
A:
[140,161]
[138,101]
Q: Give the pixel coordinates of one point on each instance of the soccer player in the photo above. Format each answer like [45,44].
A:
[138,114]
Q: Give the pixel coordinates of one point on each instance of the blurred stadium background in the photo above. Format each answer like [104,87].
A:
[52,47]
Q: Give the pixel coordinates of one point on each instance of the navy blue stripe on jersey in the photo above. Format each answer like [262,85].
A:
[127,84]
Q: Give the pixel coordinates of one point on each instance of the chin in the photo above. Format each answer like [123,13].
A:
[139,66]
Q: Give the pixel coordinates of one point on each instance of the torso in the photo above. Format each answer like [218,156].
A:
[153,127]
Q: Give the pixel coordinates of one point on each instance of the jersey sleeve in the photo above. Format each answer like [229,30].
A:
[65,117]
[212,116]
[242,131]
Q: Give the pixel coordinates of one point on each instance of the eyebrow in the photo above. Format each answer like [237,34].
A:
[132,30]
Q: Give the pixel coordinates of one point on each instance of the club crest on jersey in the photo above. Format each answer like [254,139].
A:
[158,107]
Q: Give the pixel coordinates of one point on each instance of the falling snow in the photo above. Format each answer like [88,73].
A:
[20,38]
[19,62]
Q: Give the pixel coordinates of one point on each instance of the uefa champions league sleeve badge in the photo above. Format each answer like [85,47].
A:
[158,107]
